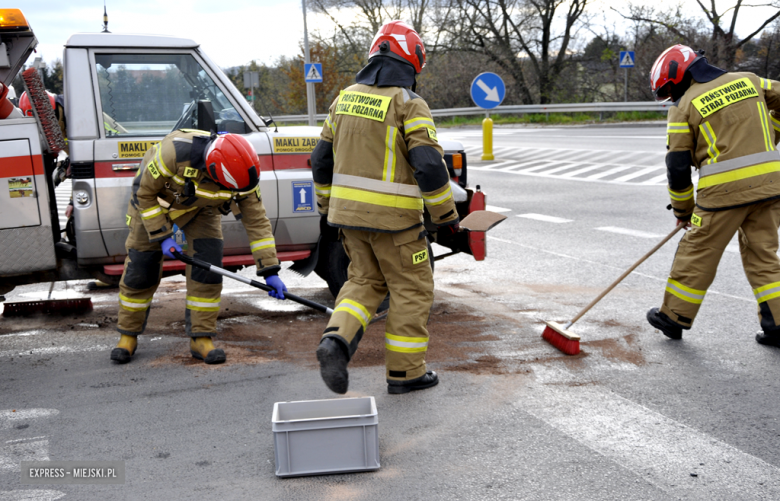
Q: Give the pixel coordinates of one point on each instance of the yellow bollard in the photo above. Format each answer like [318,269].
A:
[487,139]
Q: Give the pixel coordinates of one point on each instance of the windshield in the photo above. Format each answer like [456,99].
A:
[154,94]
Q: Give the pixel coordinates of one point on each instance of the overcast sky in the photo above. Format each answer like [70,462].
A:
[235,32]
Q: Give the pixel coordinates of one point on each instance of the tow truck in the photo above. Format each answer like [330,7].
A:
[123,93]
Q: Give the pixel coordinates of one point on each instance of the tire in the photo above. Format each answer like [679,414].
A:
[337,275]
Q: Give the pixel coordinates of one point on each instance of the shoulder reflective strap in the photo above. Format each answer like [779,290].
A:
[388,172]
[765,84]
[769,142]
[709,136]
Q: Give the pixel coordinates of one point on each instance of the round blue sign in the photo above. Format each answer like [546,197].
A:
[487,90]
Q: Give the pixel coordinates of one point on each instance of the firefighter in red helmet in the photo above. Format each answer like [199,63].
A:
[191,179]
[721,125]
[378,164]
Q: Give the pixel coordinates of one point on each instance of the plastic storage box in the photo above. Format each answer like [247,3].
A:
[316,437]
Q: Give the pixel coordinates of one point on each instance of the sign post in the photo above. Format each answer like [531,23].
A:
[626,62]
[487,92]
[252,80]
[310,99]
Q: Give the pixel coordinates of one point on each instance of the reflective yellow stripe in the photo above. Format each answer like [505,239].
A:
[775,123]
[767,292]
[160,163]
[355,309]
[739,174]
[681,196]
[151,212]
[178,180]
[711,138]
[417,123]
[323,192]
[764,114]
[389,168]
[677,128]
[134,304]
[765,84]
[261,244]
[202,303]
[440,198]
[685,293]
[214,195]
[404,344]
[372,198]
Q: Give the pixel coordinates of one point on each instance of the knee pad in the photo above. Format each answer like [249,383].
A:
[209,250]
[143,271]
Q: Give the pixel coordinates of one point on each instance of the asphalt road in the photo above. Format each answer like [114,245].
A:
[634,416]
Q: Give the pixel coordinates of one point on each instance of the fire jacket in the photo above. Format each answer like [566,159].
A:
[172,186]
[379,162]
[724,128]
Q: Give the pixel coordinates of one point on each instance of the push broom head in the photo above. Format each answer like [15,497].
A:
[566,341]
[47,120]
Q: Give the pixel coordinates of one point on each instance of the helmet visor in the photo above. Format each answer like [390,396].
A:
[664,93]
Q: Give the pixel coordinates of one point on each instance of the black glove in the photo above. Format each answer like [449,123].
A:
[450,229]
[327,231]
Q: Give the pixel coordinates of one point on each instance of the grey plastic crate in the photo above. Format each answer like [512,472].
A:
[316,437]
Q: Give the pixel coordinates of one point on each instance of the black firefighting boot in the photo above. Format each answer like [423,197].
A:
[427,380]
[203,349]
[769,338]
[125,350]
[333,365]
[665,324]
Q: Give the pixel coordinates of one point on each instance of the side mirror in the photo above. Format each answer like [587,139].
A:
[206,121]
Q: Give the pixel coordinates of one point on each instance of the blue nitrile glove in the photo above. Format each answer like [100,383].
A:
[279,287]
[166,247]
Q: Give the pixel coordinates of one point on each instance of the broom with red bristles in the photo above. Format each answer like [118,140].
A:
[568,342]
[55,142]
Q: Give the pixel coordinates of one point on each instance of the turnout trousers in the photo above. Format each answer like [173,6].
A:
[143,271]
[700,251]
[382,262]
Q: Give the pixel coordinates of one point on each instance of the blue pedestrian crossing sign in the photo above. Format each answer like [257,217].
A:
[303,196]
[312,72]
[487,90]
[627,59]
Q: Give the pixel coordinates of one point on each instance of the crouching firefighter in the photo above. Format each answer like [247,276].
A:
[191,178]
[721,124]
[378,164]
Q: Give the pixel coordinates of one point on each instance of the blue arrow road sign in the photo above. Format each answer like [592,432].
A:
[627,59]
[312,72]
[487,90]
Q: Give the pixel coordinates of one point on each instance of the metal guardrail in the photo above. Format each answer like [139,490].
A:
[524,109]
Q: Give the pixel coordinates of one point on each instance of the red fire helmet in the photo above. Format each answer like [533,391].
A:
[669,69]
[231,161]
[397,40]
[26,106]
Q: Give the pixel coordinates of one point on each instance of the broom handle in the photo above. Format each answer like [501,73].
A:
[625,274]
[254,283]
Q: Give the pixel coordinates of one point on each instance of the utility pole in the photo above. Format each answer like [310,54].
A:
[310,98]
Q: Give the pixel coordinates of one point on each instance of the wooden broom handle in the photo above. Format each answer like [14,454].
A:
[626,273]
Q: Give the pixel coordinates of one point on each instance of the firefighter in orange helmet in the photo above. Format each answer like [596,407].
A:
[191,178]
[378,164]
[721,125]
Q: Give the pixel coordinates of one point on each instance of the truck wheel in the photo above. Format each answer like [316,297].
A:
[338,262]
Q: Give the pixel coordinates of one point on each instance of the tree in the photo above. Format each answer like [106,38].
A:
[504,29]
[723,42]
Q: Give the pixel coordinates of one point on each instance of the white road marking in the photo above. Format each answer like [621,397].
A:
[25,439]
[644,275]
[493,208]
[31,495]
[11,417]
[52,350]
[609,172]
[638,173]
[654,447]
[11,456]
[547,219]
[626,231]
